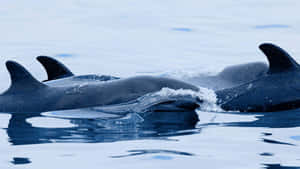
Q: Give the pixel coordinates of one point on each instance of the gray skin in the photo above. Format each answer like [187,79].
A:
[26,94]
[276,90]
[231,76]
[255,86]
[57,70]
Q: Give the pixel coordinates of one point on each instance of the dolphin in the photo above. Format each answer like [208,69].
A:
[54,68]
[57,70]
[231,76]
[27,94]
[276,90]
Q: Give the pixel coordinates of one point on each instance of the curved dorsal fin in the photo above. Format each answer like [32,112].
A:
[54,68]
[21,80]
[279,60]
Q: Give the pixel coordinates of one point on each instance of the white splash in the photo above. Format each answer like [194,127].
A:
[207,97]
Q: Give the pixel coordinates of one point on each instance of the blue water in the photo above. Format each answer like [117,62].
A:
[166,38]
[271,26]
[182,29]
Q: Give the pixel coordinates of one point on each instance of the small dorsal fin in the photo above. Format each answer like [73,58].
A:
[54,68]
[279,60]
[21,80]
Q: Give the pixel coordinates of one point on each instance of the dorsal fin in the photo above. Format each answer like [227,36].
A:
[54,68]
[279,60]
[21,80]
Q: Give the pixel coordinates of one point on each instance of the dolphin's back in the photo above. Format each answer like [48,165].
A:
[276,90]
[243,73]
[54,68]
[21,80]
[157,83]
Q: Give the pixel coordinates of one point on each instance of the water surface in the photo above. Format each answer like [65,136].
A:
[163,38]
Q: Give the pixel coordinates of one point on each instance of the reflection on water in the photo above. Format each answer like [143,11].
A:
[266,154]
[147,117]
[282,119]
[275,129]
[20,160]
[156,124]
[21,132]
[144,152]
[276,142]
[278,166]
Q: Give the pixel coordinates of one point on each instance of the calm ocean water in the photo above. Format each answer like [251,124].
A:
[162,38]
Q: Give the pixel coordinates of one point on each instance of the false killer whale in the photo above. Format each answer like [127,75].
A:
[278,89]
[27,94]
